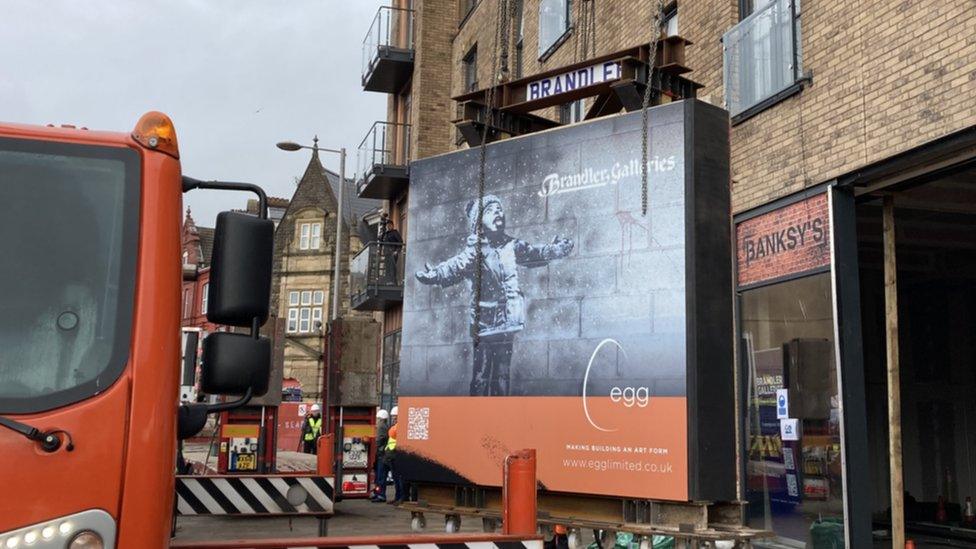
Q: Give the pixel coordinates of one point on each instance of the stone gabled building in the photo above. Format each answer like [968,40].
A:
[302,287]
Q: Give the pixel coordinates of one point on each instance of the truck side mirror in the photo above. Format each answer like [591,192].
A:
[240,272]
[234,363]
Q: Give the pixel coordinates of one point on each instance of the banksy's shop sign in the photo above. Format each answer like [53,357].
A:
[573,80]
[784,242]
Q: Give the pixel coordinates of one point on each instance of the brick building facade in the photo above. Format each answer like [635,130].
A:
[832,106]
[302,283]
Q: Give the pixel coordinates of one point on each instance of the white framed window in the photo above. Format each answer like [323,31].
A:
[316,236]
[304,310]
[304,235]
[203,298]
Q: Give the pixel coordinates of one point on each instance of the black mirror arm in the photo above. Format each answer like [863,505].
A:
[192,417]
[224,406]
[190,183]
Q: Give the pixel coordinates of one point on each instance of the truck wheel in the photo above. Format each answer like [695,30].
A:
[418,522]
[452,523]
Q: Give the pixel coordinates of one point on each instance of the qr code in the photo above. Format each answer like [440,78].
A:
[418,423]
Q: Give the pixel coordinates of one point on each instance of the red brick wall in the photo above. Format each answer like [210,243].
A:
[791,240]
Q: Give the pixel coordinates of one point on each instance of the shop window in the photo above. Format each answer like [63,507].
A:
[794,474]
[470,68]
[305,311]
[762,58]
[554,25]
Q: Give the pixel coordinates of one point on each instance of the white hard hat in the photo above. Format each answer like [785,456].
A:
[382,414]
[394,411]
[315,408]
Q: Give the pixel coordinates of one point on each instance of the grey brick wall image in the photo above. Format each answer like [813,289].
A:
[623,277]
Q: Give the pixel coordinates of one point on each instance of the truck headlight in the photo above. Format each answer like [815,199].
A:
[86,540]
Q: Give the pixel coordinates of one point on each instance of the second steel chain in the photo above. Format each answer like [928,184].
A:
[648,91]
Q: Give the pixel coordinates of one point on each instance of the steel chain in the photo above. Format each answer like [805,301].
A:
[658,17]
[488,122]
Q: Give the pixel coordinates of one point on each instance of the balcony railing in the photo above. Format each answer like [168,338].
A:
[388,50]
[376,276]
[383,159]
[762,57]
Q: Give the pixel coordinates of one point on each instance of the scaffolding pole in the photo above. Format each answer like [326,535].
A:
[894,373]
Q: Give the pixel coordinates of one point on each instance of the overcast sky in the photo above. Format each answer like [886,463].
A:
[235,76]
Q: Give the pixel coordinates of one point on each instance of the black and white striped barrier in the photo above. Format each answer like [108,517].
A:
[255,495]
[455,541]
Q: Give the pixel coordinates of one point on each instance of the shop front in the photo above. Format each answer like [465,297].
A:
[857,340]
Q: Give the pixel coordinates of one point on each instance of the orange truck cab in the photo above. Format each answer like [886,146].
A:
[90,240]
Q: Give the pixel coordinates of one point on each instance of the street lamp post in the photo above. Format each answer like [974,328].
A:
[337,260]
[337,273]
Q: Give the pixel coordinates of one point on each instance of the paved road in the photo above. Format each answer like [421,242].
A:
[352,518]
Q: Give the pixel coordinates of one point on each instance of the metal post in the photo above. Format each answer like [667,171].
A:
[894,374]
[337,276]
[519,505]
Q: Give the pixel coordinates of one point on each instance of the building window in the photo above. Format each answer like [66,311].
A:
[187,303]
[305,311]
[794,472]
[470,67]
[464,9]
[310,236]
[390,375]
[570,113]
[316,235]
[203,298]
[762,56]
[670,21]
[518,68]
[554,24]
[186,258]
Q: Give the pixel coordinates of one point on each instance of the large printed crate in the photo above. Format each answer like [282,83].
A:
[604,334]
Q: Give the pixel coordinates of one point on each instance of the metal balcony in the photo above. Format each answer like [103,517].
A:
[388,51]
[376,277]
[383,161]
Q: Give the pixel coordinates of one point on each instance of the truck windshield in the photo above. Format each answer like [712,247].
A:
[68,233]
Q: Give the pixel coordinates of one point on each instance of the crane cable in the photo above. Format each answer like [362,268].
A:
[657,30]
[488,121]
